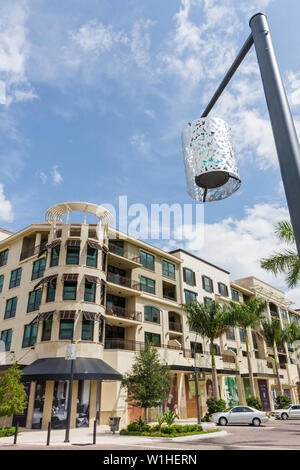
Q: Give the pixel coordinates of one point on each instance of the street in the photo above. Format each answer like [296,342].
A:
[274,435]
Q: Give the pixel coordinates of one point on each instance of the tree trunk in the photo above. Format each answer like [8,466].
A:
[214,373]
[251,378]
[277,372]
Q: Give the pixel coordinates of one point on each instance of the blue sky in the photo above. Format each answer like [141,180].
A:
[94,96]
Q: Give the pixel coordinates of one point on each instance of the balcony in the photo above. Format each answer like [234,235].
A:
[121,258]
[122,313]
[175,326]
[274,313]
[122,285]
[33,251]
[125,344]
[169,291]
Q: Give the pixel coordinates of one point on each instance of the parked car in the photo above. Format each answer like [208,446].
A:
[240,415]
[287,412]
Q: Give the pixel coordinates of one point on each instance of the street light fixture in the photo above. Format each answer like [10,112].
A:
[201,180]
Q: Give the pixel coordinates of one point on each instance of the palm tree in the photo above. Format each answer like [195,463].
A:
[274,336]
[287,260]
[248,315]
[292,334]
[210,321]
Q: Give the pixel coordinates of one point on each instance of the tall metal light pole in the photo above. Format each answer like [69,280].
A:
[284,132]
[71,356]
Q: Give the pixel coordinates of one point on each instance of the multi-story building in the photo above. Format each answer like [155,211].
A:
[63,282]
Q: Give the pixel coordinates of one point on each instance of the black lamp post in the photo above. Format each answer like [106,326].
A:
[209,161]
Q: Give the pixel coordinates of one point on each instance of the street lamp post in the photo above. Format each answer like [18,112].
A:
[71,356]
[201,178]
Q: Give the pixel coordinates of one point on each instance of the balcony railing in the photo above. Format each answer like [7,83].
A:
[274,314]
[228,358]
[170,297]
[34,250]
[175,326]
[124,313]
[118,250]
[123,281]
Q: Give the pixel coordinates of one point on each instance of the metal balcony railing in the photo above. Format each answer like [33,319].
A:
[175,326]
[122,312]
[123,281]
[118,250]
[34,250]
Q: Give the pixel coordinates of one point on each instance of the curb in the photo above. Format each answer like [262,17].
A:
[192,438]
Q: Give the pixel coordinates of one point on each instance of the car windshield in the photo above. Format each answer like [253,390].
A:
[285,407]
[228,409]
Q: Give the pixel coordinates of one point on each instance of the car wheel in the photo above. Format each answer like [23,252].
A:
[256,422]
[284,416]
[223,421]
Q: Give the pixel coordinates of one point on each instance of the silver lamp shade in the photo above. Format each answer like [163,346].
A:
[210,166]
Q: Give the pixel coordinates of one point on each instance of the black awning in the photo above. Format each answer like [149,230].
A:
[58,368]
[94,245]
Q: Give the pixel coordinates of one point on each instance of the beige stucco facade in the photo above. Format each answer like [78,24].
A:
[138,292]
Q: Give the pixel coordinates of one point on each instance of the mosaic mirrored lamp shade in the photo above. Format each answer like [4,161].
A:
[210,165]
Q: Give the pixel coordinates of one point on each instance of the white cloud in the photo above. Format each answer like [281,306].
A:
[56,176]
[140,42]
[6,212]
[97,38]
[139,141]
[42,176]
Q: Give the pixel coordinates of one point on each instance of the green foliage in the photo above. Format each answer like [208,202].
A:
[206,418]
[133,427]
[13,398]
[167,430]
[272,332]
[176,430]
[6,432]
[282,400]
[148,381]
[247,314]
[160,420]
[170,417]
[254,402]
[215,406]
[287,260]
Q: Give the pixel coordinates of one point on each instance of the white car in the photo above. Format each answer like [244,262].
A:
[240,415]
[287,412]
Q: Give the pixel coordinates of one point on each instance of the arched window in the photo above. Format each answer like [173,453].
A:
[151,314]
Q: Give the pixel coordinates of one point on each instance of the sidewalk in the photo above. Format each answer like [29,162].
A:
[84,436]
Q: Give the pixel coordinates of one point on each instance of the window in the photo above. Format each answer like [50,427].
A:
[189,276]
[103,261]
[92,257]
[6,336]
[207,301]
[230,334]
[283,313]
[147,260]
[102,300]
[89,291]
[190,297]
[66,328]
[1,282]
[196,348]
[11,307]
[168,269]
[75,231]
[207,284]
[235,295]
[51,289]
[38,268]
[152,314]
[70,288]
[34,300]
[73,254]
[87,332]
[15,278]
[30,334]
[47,327]
[3,257]
[152,338]
[223,289]
[54,260]
[242,335]
[147,285]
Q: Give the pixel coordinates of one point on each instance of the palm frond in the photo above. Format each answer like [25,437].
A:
[284,231]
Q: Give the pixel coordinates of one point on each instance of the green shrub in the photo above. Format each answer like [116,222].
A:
[282,400]
[133,427]
[155,428]
[206,418]
[124,432]
[146,428]
[167,430]
[254,402]
[7,431]
[170,417]
[215,406]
